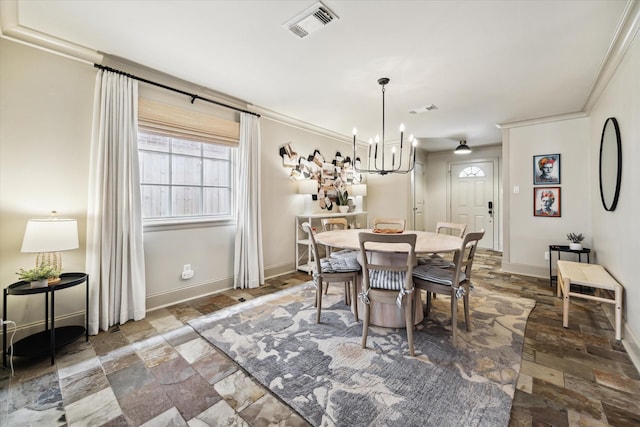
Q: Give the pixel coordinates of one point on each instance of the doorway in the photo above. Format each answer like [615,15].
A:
[473,198]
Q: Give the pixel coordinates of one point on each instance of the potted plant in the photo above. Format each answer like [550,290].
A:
[39,276]
[343,200]
[575,240]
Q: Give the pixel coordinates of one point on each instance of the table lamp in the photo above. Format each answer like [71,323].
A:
[359,190]
[47,237]
[307,187]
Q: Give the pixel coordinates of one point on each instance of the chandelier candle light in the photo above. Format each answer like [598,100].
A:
[380,169]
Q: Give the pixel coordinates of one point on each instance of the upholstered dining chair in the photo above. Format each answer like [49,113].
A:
[329,270]
[455,282]
[391,223]
[452,228]
[388,284]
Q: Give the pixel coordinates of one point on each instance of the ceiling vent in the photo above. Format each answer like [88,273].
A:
[431,107]
[312,19]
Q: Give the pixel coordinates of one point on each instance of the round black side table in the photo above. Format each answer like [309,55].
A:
[47,341]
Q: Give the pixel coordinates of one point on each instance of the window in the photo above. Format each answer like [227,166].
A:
[471,172]
[182,178]
[186,163]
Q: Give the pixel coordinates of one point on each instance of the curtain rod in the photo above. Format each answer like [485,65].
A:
[190,95]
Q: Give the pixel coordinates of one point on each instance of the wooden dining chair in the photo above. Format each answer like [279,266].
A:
[392,223]
[437,260]
[329,224]
[455,282]
[453,228]
[388,284]
[330,270]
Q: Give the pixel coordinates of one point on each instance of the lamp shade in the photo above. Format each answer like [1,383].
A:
[359,189]
[307,186]
[463,148]
[50,235]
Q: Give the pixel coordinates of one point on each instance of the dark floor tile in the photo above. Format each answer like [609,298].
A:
[620,417]
[173,371]
[145,403]
[130,378]
[192,395]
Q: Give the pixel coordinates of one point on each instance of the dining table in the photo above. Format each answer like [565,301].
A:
[427,242]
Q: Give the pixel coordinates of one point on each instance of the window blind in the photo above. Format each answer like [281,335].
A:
[182,123]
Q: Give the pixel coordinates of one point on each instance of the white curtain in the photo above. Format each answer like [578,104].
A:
[248,262]
[115,254]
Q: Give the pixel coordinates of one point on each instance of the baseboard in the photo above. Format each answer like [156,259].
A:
[28,329]
[176,296]
[631,343]
[279,270]
[526,270]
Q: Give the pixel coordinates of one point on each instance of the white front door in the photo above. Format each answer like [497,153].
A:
[473,199]
[418,197]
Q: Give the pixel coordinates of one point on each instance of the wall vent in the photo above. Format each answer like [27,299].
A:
[312,19]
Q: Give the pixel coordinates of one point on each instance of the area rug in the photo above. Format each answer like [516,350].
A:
[321,371]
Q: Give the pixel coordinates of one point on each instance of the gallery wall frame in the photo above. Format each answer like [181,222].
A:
[546,169]
[547,202]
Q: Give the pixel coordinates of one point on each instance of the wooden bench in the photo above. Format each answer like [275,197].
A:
[591,275]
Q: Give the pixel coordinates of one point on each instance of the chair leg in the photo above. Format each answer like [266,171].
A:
[454,317]
[319,300]
[354,298]
[347,293]
[408,319]
[365,325]
[427,307]
[466,310]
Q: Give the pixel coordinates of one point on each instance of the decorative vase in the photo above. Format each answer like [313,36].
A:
[575,246]
[39,283]
[343,208]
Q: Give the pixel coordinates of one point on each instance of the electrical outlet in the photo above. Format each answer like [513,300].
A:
[546,255]
[186,267]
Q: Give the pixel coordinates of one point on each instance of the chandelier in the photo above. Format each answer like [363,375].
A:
[377,166]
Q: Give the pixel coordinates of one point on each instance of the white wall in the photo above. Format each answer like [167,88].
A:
[280,201]
[46,104]
[615,235]
[528,237]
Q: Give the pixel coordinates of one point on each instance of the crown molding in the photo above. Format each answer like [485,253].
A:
[623,38]
[11,29]
[542,120]
[299,124]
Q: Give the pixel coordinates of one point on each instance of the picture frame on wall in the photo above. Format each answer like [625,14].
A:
[546,169]
[546,202]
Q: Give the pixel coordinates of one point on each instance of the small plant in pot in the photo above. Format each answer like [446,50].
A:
[343,200]
[39,276]
[575,241]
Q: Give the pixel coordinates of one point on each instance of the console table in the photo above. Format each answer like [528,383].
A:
[47,341]
[564,248]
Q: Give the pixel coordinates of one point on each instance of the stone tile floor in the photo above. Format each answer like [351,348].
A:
[159,372]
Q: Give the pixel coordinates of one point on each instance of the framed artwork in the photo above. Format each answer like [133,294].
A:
[546,201]
[546,169]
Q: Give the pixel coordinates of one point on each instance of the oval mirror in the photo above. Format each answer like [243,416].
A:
[610,164]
